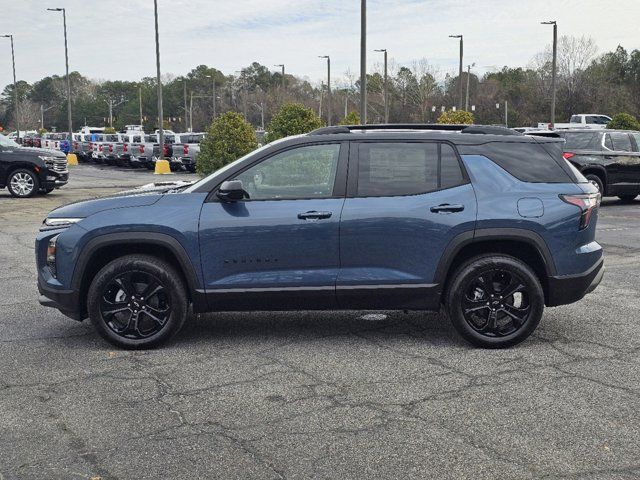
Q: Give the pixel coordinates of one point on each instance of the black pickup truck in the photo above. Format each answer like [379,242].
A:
[26,171]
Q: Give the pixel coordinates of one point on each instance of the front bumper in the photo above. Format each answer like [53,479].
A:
[571,288]
[53,179]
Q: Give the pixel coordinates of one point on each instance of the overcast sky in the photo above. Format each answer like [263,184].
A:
[112,40]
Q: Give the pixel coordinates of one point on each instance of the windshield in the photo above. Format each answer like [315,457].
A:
[195,186]
[7,142]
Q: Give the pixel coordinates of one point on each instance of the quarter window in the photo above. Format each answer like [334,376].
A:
[621,142]
[304,172]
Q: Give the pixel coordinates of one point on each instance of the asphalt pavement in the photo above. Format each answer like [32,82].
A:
[335,395]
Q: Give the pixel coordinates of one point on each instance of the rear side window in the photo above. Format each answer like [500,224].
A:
[528,162]
[621,142]
[581,140]
[607,142]
[392,169]
[636,137]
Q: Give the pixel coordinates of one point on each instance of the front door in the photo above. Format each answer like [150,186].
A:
[405,203]
[279,248]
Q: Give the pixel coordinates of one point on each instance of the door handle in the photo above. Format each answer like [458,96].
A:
[446,208]
[313,215]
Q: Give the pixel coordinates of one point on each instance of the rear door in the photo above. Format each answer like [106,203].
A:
[406,201]
[627,159]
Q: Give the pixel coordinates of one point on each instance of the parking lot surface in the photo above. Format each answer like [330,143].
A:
[315,394]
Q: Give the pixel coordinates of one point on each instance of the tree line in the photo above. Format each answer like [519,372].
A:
[607,83]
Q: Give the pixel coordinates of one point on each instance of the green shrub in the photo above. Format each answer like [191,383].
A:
[456,117]
[229,138]
[624,121]
[352,118]
[292,119]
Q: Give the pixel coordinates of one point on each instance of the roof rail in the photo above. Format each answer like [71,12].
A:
[482,129]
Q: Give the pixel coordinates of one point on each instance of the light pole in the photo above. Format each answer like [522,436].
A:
[213,93]
[66,60]
[363,62]
[460,69]
[553,70]
[466,102]
[328,87]
[186,109]
[15,88]
[140,102]
[386,87]
[160,112]
[281,65]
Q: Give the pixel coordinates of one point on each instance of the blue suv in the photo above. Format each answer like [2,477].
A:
[490,224]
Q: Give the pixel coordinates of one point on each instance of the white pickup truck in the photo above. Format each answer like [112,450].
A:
[583,120]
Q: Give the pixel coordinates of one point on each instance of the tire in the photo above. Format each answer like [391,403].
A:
[23,183]
[627,198]
[593,178]
[120,287]
[490,322]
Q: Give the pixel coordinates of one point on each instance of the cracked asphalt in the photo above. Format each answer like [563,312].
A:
[336,395]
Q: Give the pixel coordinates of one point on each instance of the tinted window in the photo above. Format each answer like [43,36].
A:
[387,169]
[575,119]
[621,142]
[528,162]
[450,173]
[591,119]
[636,136]
[607,142]
[305,172]
[581,140]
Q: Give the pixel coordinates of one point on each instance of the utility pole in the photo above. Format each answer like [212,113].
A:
[466,102]
[321,92]
[191,112]
[15,89]
[328,87]
[386,87]
[506,113]
[140,102]
[213,93]
[111,103]
[363,62]
[553,70]
[460,68]
[66,60]
[186,111]
[160,113]
[281,65]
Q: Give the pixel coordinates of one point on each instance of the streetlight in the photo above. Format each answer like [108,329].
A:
[281,65]
[460,69]
[160,112]
[329,109]
[466,102]
[15,88]
[363,62]
[553,68]
[386,92]
[66,60]
[213,93]
[328,87]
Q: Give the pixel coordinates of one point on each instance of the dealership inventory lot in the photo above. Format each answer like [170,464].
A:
[330,395]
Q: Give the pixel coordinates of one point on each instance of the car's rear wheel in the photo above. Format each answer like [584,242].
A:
[23,183]
[595,179]
[137,301]
[495,301]
[627,198]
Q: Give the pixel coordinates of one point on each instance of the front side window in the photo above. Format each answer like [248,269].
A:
[621,142]
[304,172]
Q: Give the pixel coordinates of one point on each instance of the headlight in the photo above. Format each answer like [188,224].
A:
[51,255]
[53,223]
[48,161]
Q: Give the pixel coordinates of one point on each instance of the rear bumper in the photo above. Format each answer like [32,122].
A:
[571,288]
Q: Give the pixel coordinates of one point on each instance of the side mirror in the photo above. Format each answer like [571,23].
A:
[232,191]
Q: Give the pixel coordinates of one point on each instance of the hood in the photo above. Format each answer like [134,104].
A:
[159,187]
[40,151]
[86,208]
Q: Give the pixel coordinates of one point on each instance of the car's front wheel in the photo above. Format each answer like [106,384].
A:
[23,183]
[137,301]
[495,301]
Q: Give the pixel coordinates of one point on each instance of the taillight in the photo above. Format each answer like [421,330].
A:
[125,148]
[100,147]
[185,150]
[75,145]
[587,203]
[568,155]
[90,147]
[111,148]
[165,150]
[141,148]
